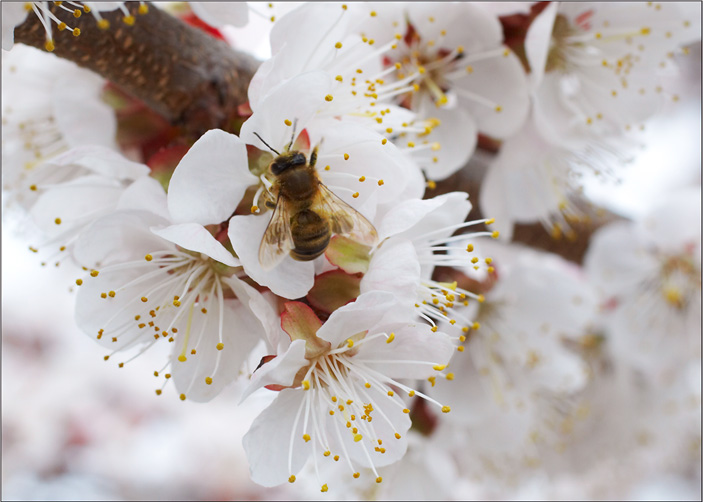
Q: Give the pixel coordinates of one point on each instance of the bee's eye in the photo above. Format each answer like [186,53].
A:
[277,168]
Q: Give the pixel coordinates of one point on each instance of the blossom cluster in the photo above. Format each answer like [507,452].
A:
[305,253]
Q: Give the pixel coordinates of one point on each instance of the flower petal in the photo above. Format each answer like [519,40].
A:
[194,237]
[219,14]
[289,279]
[281,370]
[210,179]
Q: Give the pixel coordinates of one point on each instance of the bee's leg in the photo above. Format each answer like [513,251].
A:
[313,156]
[269,201]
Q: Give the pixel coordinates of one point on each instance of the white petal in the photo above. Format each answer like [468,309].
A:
[299,98]
[411,343]
[289,279]
[219,14]
[537,40]
[210,179]
[194,237]
[268,442]
[395,268]
[81,114]
[361,315]
[417,217]
[502,81]
[103,161]
[13,14]
[279,371]
[118,237]
[145,194]
[240,335]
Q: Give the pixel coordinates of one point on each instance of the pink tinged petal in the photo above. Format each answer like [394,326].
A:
[279,371]
[410,344]
[239,336]
[333,289]
[194,237]
[349,255]
[394,268]
[81,114]
[13,14]
[500,80]
[145,194]
[537,40]
[219,14]
[118,237]
[299,98]
[210,180]
[268,442]
[289,279]
[301,323]
[368,310]
[414,218]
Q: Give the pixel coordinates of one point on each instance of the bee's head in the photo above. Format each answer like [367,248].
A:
[287,161]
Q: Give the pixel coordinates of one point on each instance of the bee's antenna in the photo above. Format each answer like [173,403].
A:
[269,146]
[292,138]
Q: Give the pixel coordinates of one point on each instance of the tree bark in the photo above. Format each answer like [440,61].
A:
[191,78]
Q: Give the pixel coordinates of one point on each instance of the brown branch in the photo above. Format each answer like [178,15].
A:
[194,80]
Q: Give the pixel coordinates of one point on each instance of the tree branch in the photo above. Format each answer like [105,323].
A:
[194,80]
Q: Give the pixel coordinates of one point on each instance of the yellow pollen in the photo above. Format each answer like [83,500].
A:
[350,343]
[433,329]
[291,479]
[439,367]
[182,397]
[329,97]
[76,32]
[474,260]
[254,209]
[384,141]
[79,282]
[397,436]
[94,273]
[288,122]
[158,392]
[143,8]
[57,221]
[390,393]
[498,109]
[373,13]
[379,479]
[450,376]
[103,24]
[645,31]
[338,78]
[128,20]
[390,338]
[356,475]
[367,385]
[145,299]
[460,348]
[355,194]
[77,13]
[220,346]
[346,156]
[148,257]
[406,411]
[432,380]
[446,409]
[338,45]
[380,182]
[336,458]
[362,179]
[358,437]
[327,453]
[411,144]
[411,393]
[306,437]
[331,412]
[495,234]
[324,488]
[421,70]
[182,358]
[306,385]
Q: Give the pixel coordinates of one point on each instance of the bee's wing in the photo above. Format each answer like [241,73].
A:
[277,240]
[344,219]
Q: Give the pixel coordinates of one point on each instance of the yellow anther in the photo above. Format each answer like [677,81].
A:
[77,13]
[379,479]
[421,70]
[350,343]
[336,458]
[128,20]
[362,179]
[158,392]
[143,8]
[384,141]
[94,273]
[390,393]
[645,31]
[450,376]
[291,479]
[76,32]
[373,13]
[346,156]
[356,475]
[329,97]
[460,348]
[495,234]
[167,375]
[498,109]
[406,411]
[327,453]
[338,78]
[57,221]
[79,282]
[474,260]
[288,122]
[338,45]
[355,194]
[411,144]
[439,367]
[390,338]
[446,409]
[182,358]
[358,437]
[367,385]
[103,24]
[306,437]
[433,329]
[220,346]
[398,65]
[324,488]
[183,397]
[306,385]
[148,257]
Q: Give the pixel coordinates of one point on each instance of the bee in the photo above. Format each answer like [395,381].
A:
[305,213]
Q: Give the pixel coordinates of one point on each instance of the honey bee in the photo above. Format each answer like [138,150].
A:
[305,213]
